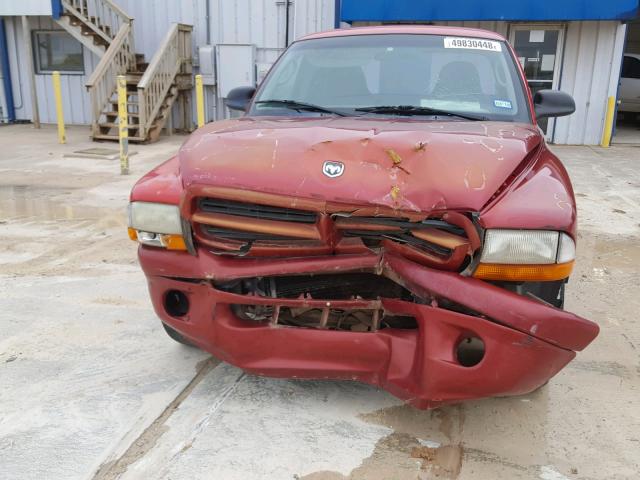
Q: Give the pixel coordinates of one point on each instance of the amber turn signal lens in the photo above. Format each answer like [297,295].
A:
[133,235]
[173,242]
[523,273]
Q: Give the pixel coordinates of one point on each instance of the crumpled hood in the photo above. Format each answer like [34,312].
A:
[405,164]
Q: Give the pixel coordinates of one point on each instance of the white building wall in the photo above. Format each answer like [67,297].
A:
[590,72]
[75,99]
[259,22]
[25,7]
[590,68]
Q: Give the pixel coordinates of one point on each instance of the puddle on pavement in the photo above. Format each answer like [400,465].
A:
[605,254]
[26,201]
[622,253]
[444,461]
[410,452]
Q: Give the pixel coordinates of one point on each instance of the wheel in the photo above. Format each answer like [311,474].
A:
[175,335]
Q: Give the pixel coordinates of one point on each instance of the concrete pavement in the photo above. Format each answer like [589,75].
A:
[91,387]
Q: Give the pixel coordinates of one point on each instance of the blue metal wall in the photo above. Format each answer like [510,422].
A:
[451,10]
[56,9]
[6,73]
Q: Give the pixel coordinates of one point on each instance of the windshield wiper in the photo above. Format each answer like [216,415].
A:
[413,110]
[295,105]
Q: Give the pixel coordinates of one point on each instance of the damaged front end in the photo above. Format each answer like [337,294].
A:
[304,288]
[417,238]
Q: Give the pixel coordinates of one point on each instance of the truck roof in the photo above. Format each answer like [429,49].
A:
[408,29]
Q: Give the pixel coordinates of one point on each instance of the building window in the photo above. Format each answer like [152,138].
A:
[57,50]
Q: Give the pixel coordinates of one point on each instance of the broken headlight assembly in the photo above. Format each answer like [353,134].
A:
[526,255]
[156,225]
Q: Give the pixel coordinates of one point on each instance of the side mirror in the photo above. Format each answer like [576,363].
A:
[553,103]
[239,98]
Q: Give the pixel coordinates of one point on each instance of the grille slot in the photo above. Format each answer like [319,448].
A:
[231,234]
[371,238]
[260,212]
[405,224]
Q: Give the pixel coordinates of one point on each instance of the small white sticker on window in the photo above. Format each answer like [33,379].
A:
[502,103]
[472,43]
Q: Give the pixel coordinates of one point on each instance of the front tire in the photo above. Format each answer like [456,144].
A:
[177,336]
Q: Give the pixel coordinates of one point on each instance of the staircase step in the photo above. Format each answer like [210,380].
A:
[115,114]
[133,78]
[134,126]
[86,30]
[132,91]
[115,102]
[115,138]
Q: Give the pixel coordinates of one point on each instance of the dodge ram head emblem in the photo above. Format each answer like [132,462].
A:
[333,169]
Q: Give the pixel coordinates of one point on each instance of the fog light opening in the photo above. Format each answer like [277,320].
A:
[176,303]
[470,351]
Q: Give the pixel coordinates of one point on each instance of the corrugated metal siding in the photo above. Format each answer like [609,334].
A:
[75,98]
[589,63]
[590,66]
[25,7]
[152,19]
[259,22]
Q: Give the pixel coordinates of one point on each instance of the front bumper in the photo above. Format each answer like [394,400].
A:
[526,342]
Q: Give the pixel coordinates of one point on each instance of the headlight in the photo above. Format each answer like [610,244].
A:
[156,224]
[526,255]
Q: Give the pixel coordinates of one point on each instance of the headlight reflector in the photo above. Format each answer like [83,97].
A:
[155,217]
[156,225]
[526,255]
[520,247]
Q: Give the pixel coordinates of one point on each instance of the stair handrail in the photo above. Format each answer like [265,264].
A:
[104,17]
[119,59]
[166,63]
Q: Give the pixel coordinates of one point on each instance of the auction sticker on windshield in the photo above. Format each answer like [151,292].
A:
[472,43]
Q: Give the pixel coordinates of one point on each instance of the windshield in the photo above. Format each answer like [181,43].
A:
[422,74]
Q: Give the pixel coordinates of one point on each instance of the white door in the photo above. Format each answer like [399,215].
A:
[539,50]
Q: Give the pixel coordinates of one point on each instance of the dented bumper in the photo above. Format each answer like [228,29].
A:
[525,341]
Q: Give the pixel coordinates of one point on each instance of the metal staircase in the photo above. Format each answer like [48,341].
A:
[152,89]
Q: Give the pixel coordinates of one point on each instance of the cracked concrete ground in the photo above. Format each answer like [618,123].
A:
[91,387]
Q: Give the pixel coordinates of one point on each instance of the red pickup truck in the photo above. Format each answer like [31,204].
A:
[386,210]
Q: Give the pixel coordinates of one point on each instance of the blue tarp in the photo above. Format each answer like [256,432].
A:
[444,10]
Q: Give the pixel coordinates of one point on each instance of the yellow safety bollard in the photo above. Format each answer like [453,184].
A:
[123,125]
[57,92]
[200,100]
[608,122]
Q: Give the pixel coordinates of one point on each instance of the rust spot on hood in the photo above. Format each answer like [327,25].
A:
[396,159]
[393,155]
[395,193]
